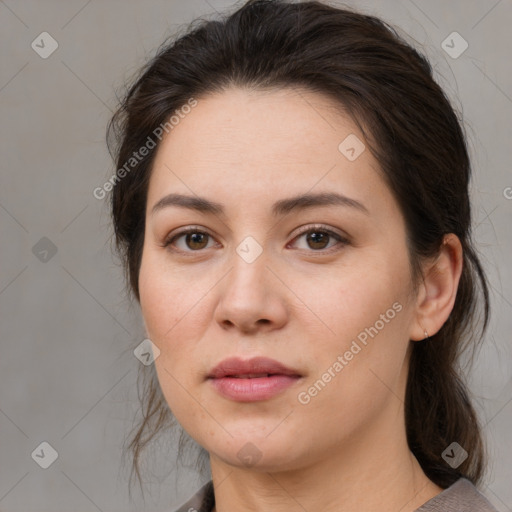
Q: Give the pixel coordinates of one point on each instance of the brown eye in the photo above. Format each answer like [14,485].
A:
[192,240]
[196,240]
[318,239]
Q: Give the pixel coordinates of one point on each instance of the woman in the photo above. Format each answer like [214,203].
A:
[291,206]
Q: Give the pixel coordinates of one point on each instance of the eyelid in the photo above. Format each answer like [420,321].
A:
[320,227]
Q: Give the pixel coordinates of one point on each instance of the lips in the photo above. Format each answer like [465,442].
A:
[253,380]
[256,367]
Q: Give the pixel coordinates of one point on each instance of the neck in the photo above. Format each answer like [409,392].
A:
[382,475]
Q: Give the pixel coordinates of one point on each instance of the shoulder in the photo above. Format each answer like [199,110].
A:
[462,496]
[202,501]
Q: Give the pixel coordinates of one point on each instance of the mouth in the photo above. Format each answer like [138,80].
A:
[252,376]
[252,380]
[257,367]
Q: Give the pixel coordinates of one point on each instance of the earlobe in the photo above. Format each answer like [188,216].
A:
[439,289]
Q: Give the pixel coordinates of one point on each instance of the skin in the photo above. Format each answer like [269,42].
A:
[299,303]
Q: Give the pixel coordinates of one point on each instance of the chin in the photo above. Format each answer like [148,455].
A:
[257,454]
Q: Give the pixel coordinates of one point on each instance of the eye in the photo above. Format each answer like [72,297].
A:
[318,238]
[193,240]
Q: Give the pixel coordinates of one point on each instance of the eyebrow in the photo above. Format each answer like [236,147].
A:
[281,207]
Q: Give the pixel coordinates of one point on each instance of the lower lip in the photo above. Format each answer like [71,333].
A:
[253,390]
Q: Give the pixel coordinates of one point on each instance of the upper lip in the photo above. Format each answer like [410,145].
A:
[234,366]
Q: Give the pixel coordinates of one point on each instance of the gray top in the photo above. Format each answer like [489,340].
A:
[462,496]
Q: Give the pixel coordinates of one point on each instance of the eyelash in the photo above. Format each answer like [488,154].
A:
[317,228]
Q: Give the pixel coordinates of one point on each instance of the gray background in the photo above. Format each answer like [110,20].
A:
[67,371]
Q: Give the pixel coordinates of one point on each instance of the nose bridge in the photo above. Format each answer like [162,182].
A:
[249,261]
[250,250]
[248,298]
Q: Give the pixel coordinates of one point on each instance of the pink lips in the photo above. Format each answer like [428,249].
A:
[252,380]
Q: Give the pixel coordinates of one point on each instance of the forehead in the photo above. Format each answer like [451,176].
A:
[250,145]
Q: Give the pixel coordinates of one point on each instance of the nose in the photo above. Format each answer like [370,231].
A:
[252,299]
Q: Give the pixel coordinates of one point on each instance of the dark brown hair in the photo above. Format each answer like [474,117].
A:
[388,89]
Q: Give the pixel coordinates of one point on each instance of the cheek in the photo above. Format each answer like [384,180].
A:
[167,298]
[174,308]
[164,309]
[361,357]
[164,319]
[349,300]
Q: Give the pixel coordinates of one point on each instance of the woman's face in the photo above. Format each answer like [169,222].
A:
[321,287]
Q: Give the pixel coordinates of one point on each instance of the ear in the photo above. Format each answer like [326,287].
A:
[437,292]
